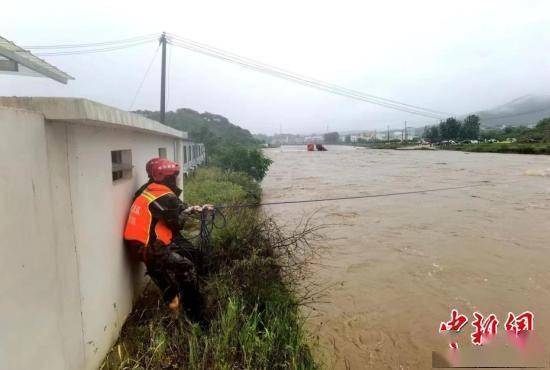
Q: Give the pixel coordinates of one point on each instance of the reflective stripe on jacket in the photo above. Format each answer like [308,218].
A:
[141,223]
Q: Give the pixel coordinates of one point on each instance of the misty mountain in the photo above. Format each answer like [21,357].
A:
[525,110]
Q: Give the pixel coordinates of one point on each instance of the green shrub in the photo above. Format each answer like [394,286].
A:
[214,192]
[251,161]
[212,184]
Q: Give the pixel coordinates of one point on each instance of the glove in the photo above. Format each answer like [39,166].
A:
[193,209]
[199,209]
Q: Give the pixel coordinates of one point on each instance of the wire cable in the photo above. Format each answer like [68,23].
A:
[178,41]
[105,43]
[252,61]
[144,77]
[323,88]
[285,74]
[93,51]
[248,63]
[331,89]
[314,85]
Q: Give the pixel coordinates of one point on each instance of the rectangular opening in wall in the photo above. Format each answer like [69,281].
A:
[162,152]
[121,164]
[184,154]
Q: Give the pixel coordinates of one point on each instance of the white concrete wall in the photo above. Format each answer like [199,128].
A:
[67,256]
[66,283]
[34,333]
[100,208]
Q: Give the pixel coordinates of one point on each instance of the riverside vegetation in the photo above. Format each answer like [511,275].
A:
[250,284]
[452,134]
[524,140]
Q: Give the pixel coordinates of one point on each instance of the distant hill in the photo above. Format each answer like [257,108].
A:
[525,110]
[211,129]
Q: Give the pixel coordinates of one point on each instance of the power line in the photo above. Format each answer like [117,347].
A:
[302,81]
[252,61]
[247,63]
[144,77]
[76,46]
[175,40]
[93,51]
[285,74]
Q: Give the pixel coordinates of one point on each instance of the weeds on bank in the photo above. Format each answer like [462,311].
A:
[519,148]
[252,295]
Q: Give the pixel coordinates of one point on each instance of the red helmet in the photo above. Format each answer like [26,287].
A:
[160,168]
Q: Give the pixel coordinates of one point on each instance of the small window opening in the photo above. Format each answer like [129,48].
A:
[121,164]
[184,154]
[162,152]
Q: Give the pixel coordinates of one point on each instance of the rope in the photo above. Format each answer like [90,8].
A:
[206,227]
[207,219]
[483,183]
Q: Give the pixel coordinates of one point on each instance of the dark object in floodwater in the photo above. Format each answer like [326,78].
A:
[321,148]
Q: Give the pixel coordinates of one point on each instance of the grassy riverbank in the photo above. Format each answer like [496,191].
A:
[519,148]
[388,145]
[251,304]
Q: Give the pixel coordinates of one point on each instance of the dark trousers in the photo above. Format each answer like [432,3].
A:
[174,269]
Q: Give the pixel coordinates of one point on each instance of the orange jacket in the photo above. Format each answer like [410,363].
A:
[141,223]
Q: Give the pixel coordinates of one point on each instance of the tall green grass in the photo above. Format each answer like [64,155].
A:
[253,314]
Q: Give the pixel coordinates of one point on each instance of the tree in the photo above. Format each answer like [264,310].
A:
[470,128]
[347,139]
[211,129]
[544,127]
[432,134]
[251,161]
[450,129]
[331,137]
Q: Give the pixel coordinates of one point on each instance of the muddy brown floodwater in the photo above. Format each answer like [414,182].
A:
[395,266]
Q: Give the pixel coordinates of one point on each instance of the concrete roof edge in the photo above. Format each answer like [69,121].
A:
[84,111]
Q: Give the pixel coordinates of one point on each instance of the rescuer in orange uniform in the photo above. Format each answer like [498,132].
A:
[153,235]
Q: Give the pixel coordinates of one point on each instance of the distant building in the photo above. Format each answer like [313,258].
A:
[287,139]
[314,139]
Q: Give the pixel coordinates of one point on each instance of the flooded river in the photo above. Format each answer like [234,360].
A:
[395,266]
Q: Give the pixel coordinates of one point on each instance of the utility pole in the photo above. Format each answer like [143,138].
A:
[281,136]
[405,130]
[162,41]
[388,134]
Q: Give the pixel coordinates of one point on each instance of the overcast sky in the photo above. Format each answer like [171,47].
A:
[452,56]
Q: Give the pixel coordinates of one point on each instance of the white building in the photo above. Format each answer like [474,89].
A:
[68,170]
